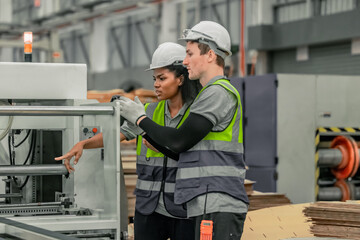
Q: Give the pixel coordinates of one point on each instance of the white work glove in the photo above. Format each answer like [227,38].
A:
[131,110]
[135,130]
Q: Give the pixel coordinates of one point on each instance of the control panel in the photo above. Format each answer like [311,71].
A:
[87,132]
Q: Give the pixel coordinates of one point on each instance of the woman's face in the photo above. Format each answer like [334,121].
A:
[166,84]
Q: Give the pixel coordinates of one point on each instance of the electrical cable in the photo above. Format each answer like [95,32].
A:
[32,158]
[10,151]
[30,153]
[22,141]
[25,182]
[7,129]
[13,148]
[31,149]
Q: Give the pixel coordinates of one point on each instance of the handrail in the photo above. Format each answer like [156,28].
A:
[55,110]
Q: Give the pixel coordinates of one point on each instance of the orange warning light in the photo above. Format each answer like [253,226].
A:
[56,54]
[28,38]
[37,3]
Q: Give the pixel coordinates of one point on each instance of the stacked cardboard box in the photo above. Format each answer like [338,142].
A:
[260,200]
[274,223]
[335,219]
[128,157]
[144,95]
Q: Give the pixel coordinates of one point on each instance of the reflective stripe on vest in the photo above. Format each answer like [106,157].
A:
[154,186]
[216,161]
[150,168]
[231,138]
[156,111]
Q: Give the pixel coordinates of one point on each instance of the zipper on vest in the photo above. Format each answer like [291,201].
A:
[164,176]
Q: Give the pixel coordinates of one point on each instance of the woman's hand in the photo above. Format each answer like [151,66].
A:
[76,152]
[148,145]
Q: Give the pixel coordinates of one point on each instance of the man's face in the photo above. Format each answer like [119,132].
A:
[194,62]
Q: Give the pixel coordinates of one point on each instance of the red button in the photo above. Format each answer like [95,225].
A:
[94,130]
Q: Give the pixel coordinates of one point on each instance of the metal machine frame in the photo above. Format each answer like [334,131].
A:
[52,98]
[96,180]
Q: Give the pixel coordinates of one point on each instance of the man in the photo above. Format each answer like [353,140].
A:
[211,168]
[156,173]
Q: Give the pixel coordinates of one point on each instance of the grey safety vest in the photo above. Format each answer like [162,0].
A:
[216,162]
[156,172]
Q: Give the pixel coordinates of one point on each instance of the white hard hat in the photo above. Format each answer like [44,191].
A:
[166,54]
[212,34]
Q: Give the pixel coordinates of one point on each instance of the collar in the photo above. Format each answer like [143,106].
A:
[214,79]
[180,113]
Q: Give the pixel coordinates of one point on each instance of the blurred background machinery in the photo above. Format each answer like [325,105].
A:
[301,135]
[44,112]
[115,38]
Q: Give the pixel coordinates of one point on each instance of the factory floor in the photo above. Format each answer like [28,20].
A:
[275,223]
[284,222]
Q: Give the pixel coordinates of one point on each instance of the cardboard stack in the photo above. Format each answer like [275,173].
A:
[260,200]
[274,223]
[249,186]
[334,219]
[104,96]
[144,95]
[128,157]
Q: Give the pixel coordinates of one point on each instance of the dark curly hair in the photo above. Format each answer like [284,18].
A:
[190,88]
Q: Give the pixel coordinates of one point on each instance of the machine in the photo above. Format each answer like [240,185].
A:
[43,113]
[301,135]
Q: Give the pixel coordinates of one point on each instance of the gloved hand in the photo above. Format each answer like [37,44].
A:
[136,130]
[131,110]
[117,97]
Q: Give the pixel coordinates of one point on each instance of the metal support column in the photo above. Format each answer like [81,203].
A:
[84,50]
[143,40]
[217,15]
[129,41]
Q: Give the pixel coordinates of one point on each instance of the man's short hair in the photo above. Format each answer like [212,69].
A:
[204,48]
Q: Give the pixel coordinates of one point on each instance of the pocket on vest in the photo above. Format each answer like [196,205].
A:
[188,173]
[144,187]
[142,193]
[145,172]
[187,183]
[188,159]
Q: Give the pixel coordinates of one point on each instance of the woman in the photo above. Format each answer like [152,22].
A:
[156,215]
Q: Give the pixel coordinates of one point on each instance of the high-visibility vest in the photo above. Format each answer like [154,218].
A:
[216,163]
[156,172]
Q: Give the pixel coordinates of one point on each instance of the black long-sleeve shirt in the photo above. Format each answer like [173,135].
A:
[172,141]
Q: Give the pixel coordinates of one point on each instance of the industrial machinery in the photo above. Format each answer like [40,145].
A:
[337,174]
[43,113]
[301,135]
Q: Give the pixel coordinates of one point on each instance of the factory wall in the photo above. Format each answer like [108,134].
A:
[323,59]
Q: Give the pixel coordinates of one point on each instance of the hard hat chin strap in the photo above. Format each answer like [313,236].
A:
[213,47]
